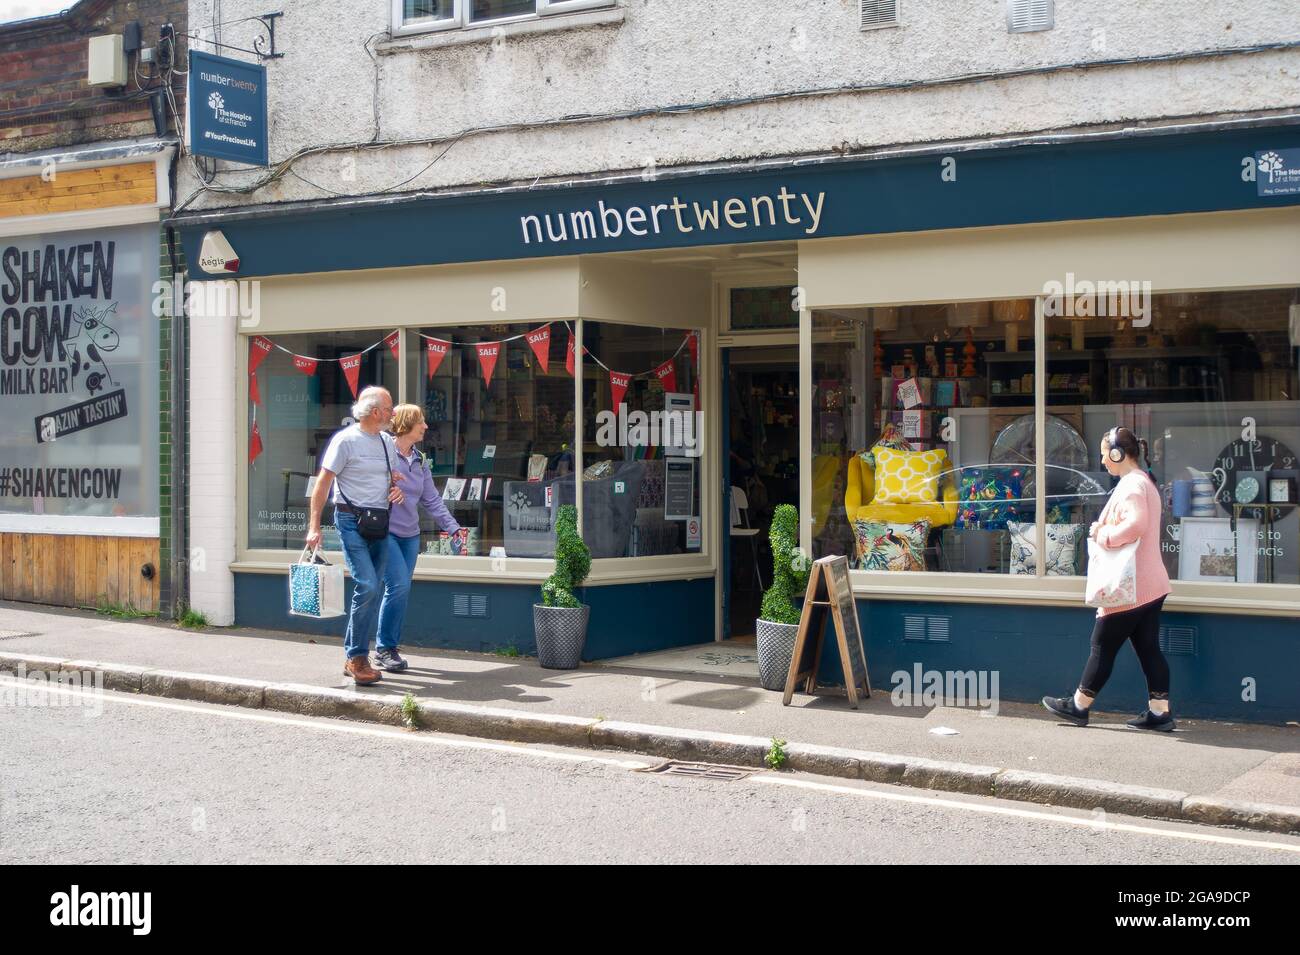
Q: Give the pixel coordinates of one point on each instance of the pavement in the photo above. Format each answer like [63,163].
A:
[1245,775]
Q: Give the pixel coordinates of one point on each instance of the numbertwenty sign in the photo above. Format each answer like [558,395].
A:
[227,109]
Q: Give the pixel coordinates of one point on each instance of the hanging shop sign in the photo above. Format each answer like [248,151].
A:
[79,373]
[227,109]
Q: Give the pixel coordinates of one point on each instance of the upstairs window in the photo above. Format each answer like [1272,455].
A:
[414,16]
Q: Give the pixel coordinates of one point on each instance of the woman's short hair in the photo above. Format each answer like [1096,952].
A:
[406,417]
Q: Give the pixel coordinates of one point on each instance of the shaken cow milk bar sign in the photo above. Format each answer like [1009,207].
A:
[79,373]
[227,107]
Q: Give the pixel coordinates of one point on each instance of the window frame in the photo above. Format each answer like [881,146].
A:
[460,17]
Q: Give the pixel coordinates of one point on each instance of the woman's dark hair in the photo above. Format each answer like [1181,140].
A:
[1132,446]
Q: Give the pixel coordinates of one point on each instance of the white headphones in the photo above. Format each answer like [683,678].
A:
[1115,453]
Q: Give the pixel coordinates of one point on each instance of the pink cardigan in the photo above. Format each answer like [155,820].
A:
[1133,514]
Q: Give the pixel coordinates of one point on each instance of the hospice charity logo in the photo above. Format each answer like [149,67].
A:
[216,103]
[1278,172]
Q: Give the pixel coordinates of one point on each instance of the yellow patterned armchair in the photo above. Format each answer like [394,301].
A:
[861,488]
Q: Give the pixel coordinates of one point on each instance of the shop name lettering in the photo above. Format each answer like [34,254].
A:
[676,218]
[41,324]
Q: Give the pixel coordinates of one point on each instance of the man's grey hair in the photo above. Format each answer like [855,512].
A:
[367,402]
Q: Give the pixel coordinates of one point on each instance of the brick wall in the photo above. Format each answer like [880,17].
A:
[44,100]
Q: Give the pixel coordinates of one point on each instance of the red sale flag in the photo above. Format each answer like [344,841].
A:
[487,358]
[391,342]
[253,394]
[435,350]
[351,370]
[618,382]
[254,443]
[667,373]
[258,349]
[568,355]
[540,340]
[304,364]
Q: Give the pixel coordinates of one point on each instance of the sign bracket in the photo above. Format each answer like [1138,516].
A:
[263,47]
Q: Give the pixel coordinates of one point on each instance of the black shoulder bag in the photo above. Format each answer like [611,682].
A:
[372,522]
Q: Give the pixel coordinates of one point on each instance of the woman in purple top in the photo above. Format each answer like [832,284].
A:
[416,482]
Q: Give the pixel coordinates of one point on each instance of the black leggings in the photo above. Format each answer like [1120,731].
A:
[1142,626]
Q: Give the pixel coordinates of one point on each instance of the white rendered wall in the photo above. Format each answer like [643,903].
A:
[212,467]
[681,52]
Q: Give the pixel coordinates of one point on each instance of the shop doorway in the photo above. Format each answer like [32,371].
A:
[760,471]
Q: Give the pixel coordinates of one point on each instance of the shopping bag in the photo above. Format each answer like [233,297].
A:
[1112,575]
[315,587]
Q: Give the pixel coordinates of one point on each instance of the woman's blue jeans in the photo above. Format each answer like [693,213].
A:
[365,560]
[399,568]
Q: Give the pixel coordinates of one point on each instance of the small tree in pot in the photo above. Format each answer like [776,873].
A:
[560,620]
[778,623]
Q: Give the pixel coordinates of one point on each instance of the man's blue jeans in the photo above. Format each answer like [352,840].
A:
[399,568]
[365,559]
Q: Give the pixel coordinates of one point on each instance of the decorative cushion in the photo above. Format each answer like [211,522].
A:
[908,477]
[884,546]
[1062,544]
[891,437]
[989,497]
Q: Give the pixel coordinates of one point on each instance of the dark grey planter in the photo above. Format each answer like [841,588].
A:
[775,648]
[561,633]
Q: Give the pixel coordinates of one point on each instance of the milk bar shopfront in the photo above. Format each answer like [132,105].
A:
[986,310]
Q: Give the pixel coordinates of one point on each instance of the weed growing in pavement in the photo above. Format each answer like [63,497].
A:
[510,651]
[410,712]
[126,611]
[776,756]
[192,619]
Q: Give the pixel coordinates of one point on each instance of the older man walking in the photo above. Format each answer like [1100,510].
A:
[358,463]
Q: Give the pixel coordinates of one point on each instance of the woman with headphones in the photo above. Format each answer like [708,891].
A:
[1131,514]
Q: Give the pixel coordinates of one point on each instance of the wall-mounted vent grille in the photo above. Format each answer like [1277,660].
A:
[1178,641]
[1030,16]
[469,605]
[878,14]
[921,629]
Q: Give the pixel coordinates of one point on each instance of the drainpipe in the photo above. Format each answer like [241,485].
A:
[179,538]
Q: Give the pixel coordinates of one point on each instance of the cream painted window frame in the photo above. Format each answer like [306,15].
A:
[1277,600]
[460,16]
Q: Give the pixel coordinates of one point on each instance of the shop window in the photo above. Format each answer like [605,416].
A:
[642,441]
[498,401]
[923,456]
[300,395]
[416,15]
[1209,380]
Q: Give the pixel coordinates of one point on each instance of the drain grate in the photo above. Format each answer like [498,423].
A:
[15,634]
[675,767]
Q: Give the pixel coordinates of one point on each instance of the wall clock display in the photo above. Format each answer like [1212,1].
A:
[1247,464]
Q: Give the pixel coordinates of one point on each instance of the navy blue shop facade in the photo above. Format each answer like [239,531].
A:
[996,306]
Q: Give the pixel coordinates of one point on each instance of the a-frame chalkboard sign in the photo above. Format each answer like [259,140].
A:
[829,594]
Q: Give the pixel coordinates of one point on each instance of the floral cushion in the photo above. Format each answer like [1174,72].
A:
[1062,546]
[989,497]
[891,437]
[885,546]
[909,477]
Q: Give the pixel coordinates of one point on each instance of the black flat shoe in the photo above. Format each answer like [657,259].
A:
[1063,706]
[1160,722]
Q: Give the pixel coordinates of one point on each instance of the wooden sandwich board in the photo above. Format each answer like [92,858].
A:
[829,594]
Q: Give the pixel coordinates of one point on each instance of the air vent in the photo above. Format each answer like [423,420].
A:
[878,14]
[1178,641]
[1030,16]
[469,605]
[920,629]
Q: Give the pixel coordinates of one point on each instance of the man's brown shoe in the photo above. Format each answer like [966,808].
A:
[361,671]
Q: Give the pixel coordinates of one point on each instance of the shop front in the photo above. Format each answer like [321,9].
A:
[677,357]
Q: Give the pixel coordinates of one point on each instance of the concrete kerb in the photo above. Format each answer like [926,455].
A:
[671,743]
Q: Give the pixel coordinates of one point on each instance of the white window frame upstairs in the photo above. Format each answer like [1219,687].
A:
[460,16]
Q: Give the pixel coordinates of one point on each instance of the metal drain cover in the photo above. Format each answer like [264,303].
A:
[676,767]
[12,634]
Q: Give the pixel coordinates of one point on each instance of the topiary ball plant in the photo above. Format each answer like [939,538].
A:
[572,561]
[789,571]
